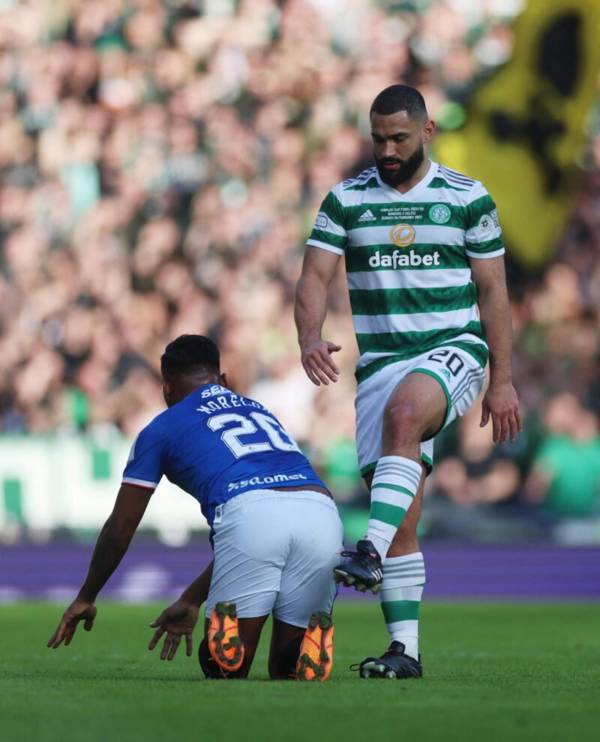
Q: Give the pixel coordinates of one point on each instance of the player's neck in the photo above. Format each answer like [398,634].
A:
[418,176]
[183,387]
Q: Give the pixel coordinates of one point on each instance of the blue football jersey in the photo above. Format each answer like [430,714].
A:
[215,445]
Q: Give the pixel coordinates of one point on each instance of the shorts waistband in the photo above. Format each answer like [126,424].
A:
[277,494]
[300,488]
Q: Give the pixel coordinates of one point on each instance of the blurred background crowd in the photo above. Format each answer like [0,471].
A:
[162,162]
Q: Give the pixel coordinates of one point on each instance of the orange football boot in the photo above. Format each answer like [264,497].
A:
[224,643]
[315,659]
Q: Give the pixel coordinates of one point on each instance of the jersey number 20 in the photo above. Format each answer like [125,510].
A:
[231,437]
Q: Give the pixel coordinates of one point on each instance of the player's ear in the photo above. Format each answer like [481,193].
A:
[428,131]
[166,390]
[223,380]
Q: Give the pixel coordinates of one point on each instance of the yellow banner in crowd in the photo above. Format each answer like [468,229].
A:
[526,125]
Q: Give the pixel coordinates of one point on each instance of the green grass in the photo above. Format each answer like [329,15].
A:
[493,672]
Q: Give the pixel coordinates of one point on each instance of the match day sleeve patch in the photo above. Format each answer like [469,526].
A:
[321,221]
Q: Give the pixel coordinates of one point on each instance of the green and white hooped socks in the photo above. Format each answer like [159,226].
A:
[395,484]
[401,592]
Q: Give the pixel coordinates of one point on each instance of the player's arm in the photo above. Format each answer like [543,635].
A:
[310,309]
[500,401]
[197,592]
[112,544]
[180,618]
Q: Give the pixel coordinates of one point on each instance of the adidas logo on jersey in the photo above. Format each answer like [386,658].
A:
[367,216]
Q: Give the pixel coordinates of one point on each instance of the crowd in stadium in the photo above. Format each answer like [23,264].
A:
[162,162]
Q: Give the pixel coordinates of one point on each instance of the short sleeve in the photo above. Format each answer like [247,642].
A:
[144,467]
[483,237]
[329,232]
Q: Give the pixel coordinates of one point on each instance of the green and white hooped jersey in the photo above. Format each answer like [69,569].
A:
[407,261]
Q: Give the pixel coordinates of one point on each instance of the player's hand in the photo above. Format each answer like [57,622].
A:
[502,405]
[79,610]
[318,363]
[176,621]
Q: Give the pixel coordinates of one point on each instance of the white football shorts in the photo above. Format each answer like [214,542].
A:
[274,552]
[458,373]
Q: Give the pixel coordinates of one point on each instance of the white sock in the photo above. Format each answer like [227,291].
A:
[395,484]
[401,592]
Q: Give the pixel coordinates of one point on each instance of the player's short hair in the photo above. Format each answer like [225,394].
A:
[400,98]
[189,353]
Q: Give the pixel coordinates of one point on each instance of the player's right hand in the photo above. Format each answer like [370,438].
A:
[79,610]
[318,363]
[501,404]
[178,620]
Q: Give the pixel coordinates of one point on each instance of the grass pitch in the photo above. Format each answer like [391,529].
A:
[493,672]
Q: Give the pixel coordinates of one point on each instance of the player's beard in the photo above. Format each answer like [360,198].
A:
[406,170]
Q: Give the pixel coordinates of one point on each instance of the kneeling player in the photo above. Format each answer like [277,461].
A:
[276,532]
[230,643]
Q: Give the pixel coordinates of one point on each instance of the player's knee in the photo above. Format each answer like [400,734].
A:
[401,422]
[209,667]
[282,661]
[212,671]
[278,671]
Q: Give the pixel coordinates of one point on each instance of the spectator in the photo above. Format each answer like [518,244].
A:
[565,477]
[161,164]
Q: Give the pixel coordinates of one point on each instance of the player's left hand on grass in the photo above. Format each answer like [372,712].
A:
[178,620]
[79,610]
[502,405]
